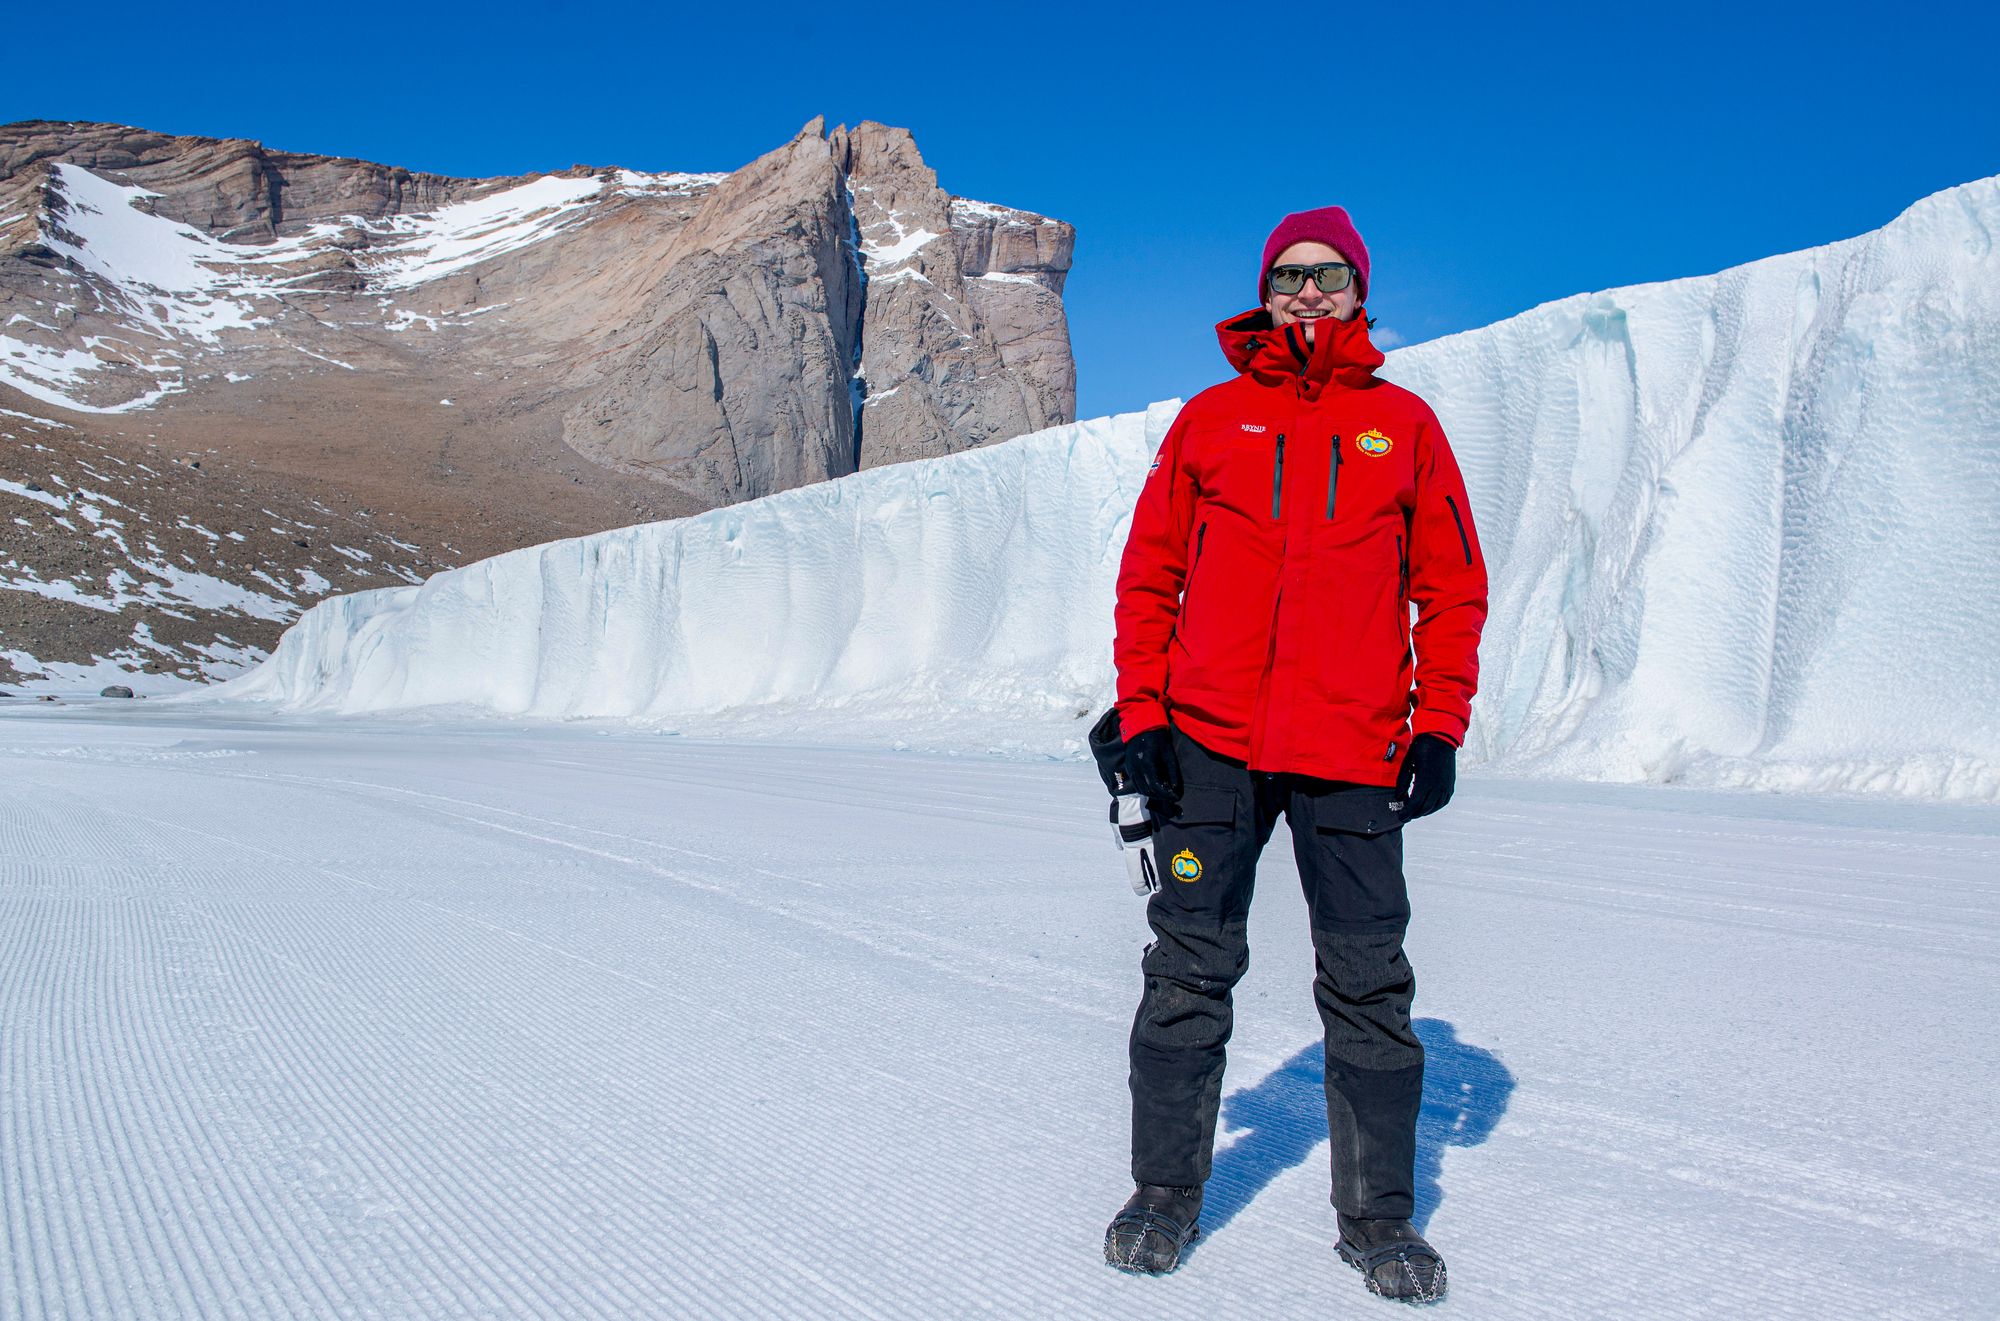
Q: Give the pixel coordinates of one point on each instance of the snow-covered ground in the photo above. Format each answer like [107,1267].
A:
[1741,530]
[302,1017]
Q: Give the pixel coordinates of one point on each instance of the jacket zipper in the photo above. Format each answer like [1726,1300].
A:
[1332,478]
[1187,588]
[1278,482]
[1402,567]
[1464,542]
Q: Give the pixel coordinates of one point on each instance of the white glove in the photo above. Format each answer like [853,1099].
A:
[1132,827]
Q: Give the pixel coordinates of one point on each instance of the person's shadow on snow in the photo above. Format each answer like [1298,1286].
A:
[1466,1090]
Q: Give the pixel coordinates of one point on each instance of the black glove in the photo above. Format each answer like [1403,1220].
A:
[1430,770]
[1153,769]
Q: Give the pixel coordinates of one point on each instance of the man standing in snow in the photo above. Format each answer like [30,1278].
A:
[1291,519]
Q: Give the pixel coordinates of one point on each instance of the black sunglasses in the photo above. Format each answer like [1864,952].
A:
[1330,276]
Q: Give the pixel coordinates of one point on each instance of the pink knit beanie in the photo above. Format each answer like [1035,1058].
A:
[1328,225]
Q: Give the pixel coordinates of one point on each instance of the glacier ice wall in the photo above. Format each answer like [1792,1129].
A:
[916,597]
[1750,520]
[1742,528]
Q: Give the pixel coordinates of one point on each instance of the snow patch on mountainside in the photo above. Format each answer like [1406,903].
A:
[181,290]
[1741,531]
[169,276]
[442,242]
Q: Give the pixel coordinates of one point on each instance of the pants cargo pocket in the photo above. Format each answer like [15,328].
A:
[1202,855]
[1349,848]
[1350,852]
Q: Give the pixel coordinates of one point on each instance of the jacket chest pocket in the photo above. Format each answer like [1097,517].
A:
[1373,484]
[1245,474]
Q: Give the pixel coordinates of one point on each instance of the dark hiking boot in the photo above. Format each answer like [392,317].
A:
[1393,1259]
[1147,1236]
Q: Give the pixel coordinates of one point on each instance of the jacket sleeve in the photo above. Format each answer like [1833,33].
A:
[1150,578]
[1448,586]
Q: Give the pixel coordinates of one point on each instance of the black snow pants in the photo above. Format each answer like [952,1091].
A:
[1349,847]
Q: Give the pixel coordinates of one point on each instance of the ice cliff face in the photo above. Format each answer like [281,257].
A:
[1750,519]
[965,592]
[1741,528]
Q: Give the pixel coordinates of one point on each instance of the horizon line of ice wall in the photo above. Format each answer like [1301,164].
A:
[1742,530]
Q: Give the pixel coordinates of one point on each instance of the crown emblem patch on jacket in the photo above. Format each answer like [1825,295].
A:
[1373,442]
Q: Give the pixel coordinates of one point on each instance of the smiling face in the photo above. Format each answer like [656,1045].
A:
[1309,305]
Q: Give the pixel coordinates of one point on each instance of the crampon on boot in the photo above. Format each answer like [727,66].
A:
[1393,1259]
[1147,1236]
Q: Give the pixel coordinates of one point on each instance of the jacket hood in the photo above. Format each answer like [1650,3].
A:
[1341,350]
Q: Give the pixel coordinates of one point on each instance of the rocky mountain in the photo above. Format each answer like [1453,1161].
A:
[467,365]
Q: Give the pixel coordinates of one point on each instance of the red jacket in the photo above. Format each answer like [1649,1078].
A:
[1291,518]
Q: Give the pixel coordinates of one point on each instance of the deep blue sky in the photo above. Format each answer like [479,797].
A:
[1494,157]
